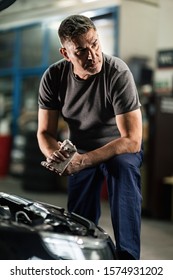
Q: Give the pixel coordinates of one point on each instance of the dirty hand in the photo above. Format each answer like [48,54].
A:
[76,164]
[58,161]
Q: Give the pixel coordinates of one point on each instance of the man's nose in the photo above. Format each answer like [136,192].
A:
[91,54]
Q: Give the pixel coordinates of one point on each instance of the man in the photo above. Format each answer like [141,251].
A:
[96,95]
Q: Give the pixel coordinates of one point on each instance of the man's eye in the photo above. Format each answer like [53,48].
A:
[81,52]
[95,45]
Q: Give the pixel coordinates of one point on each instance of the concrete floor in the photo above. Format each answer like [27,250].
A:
[156,236]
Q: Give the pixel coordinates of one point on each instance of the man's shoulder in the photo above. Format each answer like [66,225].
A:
[56,70]
[58,66]
[115,62]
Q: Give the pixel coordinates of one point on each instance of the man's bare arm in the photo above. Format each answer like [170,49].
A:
[130,127]
[47,131]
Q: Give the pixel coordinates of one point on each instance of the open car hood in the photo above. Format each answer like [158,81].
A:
[31,229]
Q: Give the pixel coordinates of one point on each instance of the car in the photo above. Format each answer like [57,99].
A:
[35,230]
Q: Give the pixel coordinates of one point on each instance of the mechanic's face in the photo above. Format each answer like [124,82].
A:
[85,53]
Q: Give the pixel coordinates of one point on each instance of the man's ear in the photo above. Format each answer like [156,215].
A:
[63,52]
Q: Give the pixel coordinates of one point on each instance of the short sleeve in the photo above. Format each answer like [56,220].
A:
[48,90]
[124,93]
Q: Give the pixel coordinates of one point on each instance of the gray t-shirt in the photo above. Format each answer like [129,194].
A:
[89,106]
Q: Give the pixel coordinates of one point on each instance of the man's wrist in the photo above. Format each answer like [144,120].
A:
[86,160]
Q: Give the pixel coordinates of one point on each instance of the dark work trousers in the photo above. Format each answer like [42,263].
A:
[122,174]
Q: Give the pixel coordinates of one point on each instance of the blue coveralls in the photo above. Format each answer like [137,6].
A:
[123,177]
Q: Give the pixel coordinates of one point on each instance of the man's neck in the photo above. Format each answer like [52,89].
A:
[85,77]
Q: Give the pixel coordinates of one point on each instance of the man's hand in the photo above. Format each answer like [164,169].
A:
[76,164]
[61,158]
[64,165]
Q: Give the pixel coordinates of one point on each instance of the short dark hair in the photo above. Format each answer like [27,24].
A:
[74,26]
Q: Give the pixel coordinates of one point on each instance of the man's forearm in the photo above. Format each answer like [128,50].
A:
[116,147]
[47,144]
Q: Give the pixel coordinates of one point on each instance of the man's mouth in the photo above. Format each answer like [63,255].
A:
[91,65]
